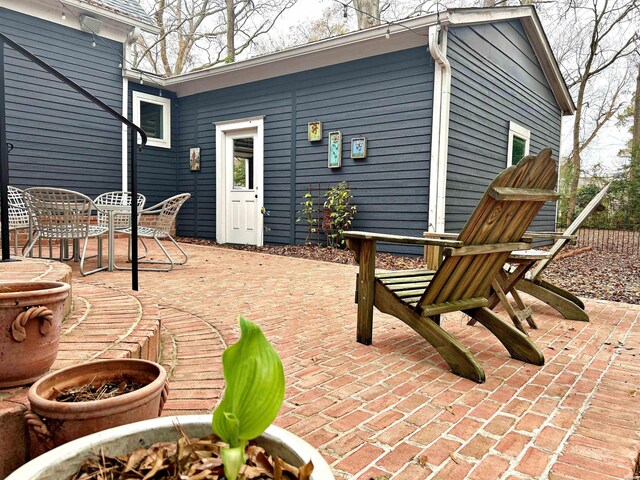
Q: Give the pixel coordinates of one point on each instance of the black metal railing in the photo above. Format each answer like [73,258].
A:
[4,152]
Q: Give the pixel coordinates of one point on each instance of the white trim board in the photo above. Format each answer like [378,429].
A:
[137,97]
[520,132]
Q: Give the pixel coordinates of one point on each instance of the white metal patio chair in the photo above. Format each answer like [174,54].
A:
[165,213]
[62,215]
[18,215]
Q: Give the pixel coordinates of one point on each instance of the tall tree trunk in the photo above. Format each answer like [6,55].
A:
[367,13]
[575,157]
[231,23]
[635,139]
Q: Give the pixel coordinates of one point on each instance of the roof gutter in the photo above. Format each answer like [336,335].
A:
[439,128]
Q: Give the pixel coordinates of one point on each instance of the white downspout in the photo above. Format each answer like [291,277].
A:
[132,37]
[439,129]
[125,114]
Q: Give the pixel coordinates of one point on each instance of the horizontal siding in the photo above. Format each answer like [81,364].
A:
[157,166]
[496,78]
[60,138]
[385,98]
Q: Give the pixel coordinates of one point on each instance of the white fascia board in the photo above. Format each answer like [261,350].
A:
[542,49]
[537,38]
[367,43]
[345,48]
[107,15]
[52,12]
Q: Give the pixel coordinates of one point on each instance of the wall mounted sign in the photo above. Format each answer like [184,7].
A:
[314,131]
[359,147]
[335,149]
[194,159]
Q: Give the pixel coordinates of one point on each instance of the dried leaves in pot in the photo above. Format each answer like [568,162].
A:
[188,459]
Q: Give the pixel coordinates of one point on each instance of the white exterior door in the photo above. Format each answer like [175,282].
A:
[239,165]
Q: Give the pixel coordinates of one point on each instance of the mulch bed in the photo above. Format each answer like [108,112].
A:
[586,273]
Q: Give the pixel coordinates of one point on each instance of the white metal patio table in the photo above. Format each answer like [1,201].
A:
[112,211]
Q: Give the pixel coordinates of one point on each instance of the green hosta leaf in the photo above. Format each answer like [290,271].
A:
[254,387]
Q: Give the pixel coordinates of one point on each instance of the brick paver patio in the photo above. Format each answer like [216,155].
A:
[393,409]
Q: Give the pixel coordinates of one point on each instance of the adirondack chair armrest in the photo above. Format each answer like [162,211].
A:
[439,235]
[486,248]
[548,235]
[381,237]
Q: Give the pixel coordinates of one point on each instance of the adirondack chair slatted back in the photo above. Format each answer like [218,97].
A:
[503,215]
[571,230]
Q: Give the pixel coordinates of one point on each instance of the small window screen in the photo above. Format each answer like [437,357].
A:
[151,119]
[518,150]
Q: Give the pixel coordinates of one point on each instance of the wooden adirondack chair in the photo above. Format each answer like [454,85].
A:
[566,303]
[463,280]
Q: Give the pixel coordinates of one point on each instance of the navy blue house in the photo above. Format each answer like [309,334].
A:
[445,102]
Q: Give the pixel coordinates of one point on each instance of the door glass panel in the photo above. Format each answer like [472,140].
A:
[243,163]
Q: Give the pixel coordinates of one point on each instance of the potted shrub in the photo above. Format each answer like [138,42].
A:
[94,396]
[30,316]
[253,396]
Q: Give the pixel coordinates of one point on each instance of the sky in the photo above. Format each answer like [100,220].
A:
[603,150]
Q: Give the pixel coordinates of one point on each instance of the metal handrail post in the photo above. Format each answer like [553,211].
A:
[4,165]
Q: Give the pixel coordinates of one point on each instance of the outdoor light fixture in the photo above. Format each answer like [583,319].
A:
[388,34]
[64,17]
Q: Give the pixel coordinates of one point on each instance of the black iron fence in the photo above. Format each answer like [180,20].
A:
[610,233]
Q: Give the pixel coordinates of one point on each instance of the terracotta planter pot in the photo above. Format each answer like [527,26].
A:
[30,317]
[53,423]
[64,461]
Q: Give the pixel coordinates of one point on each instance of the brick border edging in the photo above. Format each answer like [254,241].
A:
[14,435]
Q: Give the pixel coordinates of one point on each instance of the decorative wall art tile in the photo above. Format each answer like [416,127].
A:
[314,131]
[359,147]
[335,149]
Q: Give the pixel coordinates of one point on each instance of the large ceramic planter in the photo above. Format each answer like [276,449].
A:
[54,423]
[30,317]
[64,461]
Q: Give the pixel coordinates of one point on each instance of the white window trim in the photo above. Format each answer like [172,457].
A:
[520,132]
[165,142]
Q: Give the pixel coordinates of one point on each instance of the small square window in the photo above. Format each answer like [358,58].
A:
[518,146]
[153,115]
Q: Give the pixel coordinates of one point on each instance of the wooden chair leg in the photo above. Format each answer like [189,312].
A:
[366,291]
[507,305]
[459,359]
[560,291]
[519,345]
[525,311]
[566,308]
